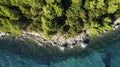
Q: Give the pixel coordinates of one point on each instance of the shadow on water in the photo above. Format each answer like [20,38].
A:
[27,48]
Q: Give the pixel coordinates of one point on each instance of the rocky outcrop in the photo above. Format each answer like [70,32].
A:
[2,34]
[116,24]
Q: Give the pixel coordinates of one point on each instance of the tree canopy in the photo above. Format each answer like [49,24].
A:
[58,16]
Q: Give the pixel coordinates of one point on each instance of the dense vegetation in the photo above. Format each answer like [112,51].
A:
[69,17]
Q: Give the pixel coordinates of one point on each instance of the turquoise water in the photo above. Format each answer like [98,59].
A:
[102,52]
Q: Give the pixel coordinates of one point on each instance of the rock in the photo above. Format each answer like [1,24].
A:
[65,45]
[71,41]
[40,44]
[116,27]
[86,41]
[104,31]
[62,48]
[71,46]
[53,43]
[74,42]
[117,22]
[2,34]
[57,39]
[83,45]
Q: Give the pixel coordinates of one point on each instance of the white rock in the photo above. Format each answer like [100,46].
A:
[53,44]
[62,48]
[0,35]
[40,44]
[71,46]
[83,45]
[117,21]
[116,27]
[3,33]
[105,31]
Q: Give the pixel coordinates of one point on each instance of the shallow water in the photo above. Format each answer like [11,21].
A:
[102,52]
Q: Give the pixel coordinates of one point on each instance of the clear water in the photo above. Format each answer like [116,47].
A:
[102,52]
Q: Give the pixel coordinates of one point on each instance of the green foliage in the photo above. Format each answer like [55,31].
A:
[50,1]
[93,31]
[5,2]
[12,14]
[76,17]
[49,27]
[77,2]
[107,20]
[117,14]
[86,5]
[10,26]
[113,6]
[57,16]
[52,11]
[107,23]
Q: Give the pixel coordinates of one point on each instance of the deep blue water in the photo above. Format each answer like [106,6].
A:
[102,52]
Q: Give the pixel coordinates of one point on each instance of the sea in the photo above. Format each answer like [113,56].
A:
[102,51]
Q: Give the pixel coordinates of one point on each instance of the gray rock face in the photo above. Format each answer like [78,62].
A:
[116,24]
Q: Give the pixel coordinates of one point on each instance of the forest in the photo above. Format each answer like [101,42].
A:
[66,17]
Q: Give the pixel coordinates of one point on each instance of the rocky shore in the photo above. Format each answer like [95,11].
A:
[56,40]
[81,40]
[60,41]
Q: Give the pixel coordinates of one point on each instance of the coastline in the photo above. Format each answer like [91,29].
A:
[56,40]
[81,40]
[55,55]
